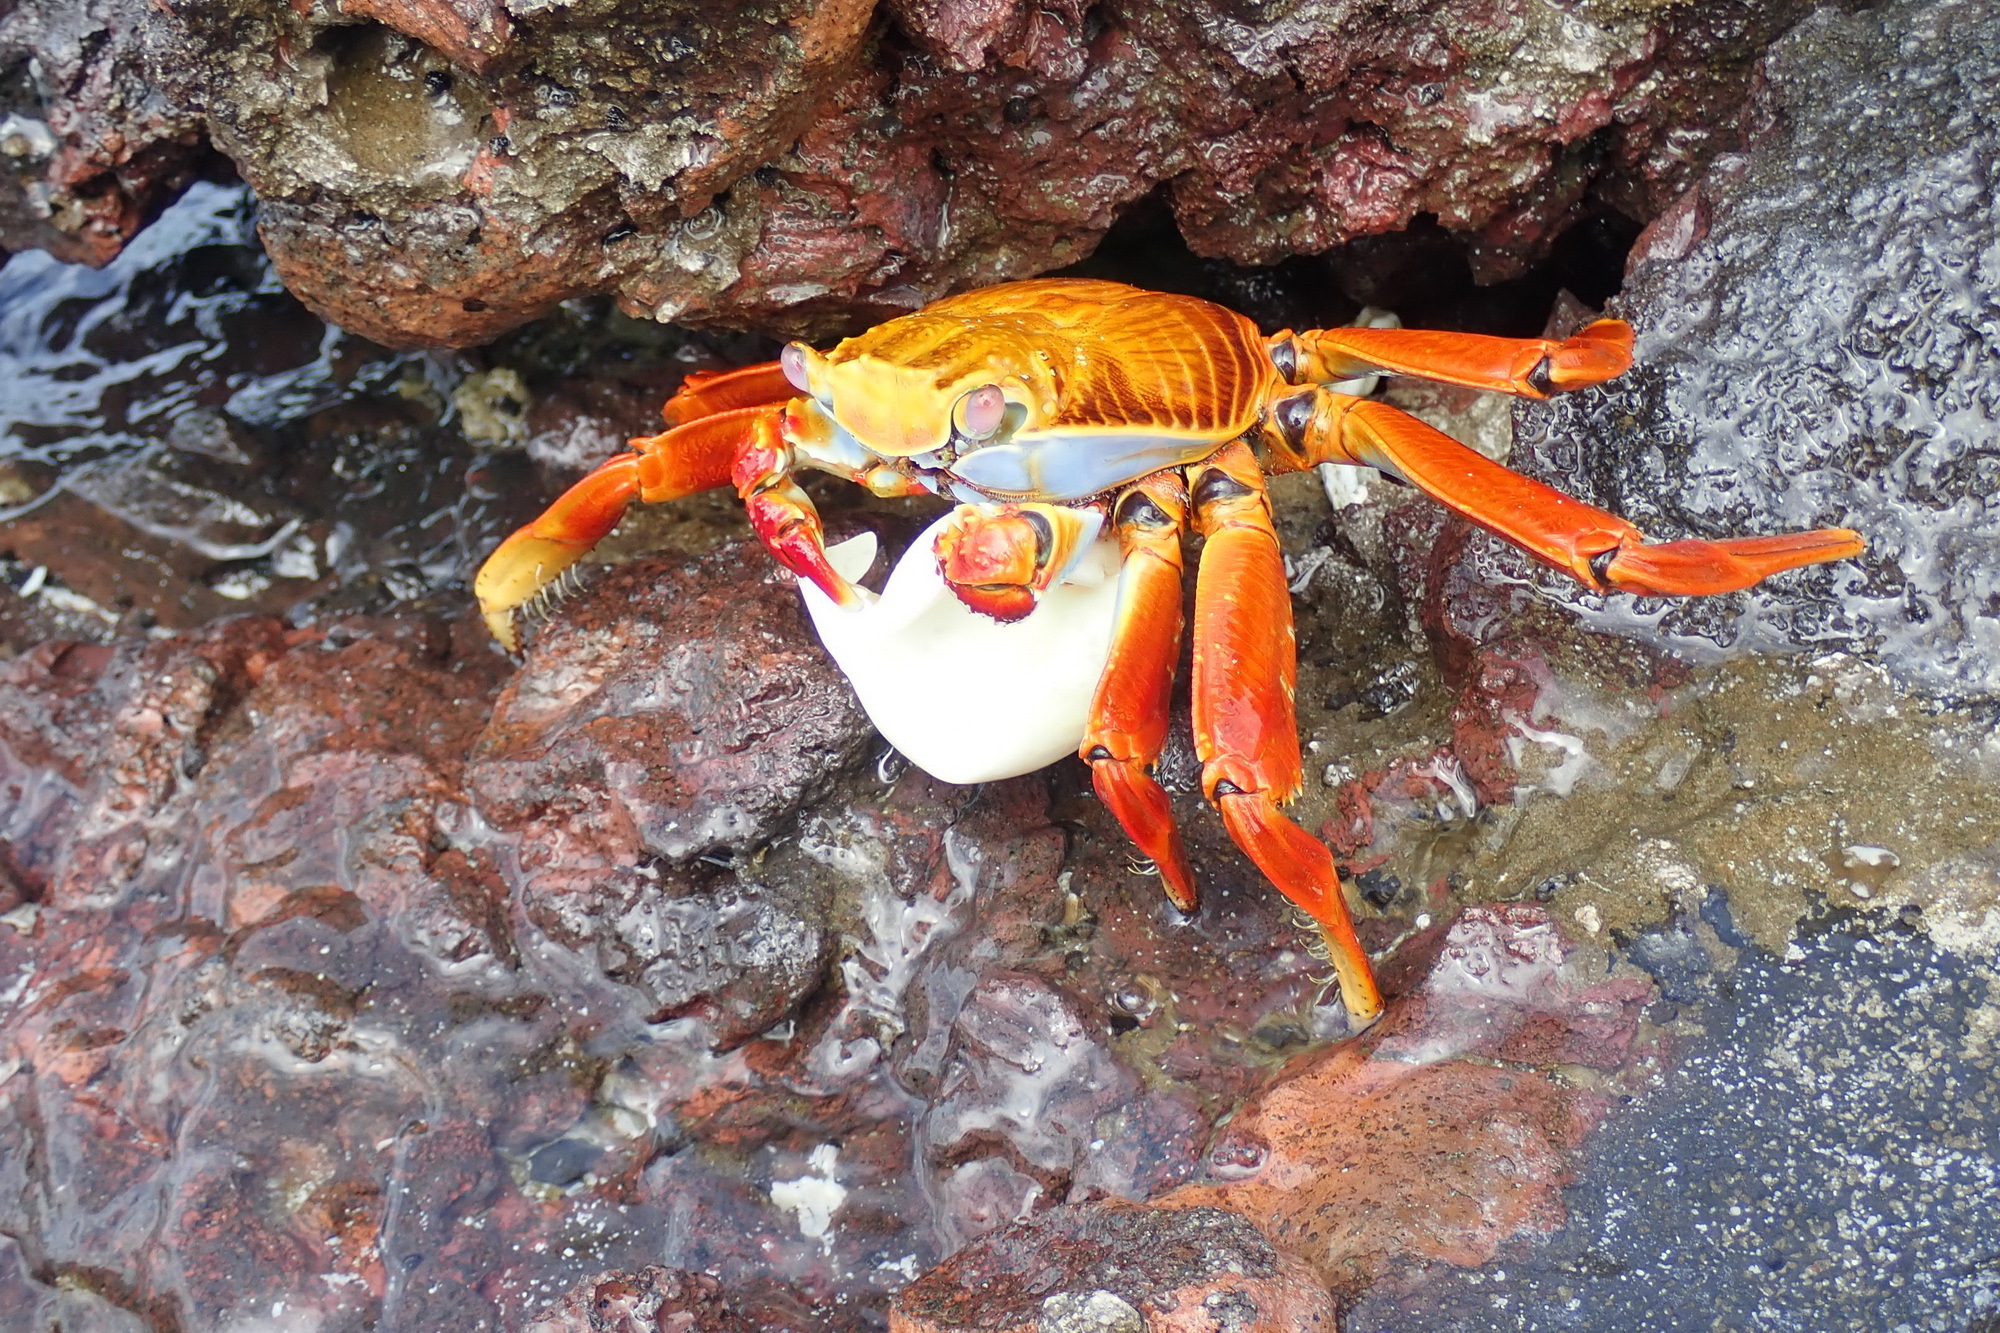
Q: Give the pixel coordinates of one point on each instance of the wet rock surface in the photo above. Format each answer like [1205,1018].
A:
[651,1299]
[1453,1136]
[678,700]
[352,976]
[1114,1268]
[675,711]
[184,441]
[434,174]
[1816,347]
[1789,1173]
[91,147]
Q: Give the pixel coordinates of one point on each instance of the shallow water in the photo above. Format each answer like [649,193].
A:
[243,453]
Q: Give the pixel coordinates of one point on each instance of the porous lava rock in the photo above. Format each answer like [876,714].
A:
[436,171]
[1818,324]
[673,711]
[91,147]
[674,708]
[1118,1268]
[653,1300]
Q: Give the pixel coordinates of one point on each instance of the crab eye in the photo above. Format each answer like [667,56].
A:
[793,362]
[980,412]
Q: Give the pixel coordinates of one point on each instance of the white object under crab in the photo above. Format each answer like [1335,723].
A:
[962,696]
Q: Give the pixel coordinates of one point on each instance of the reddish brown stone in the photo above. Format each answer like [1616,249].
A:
[671,710]
[467,32]
[1439,1136]
[91,148]
[119,565]
[1118,1268]
[456,168]
[97,742]
[652,1300]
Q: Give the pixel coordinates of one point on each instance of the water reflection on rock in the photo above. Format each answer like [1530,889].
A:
[181,440]
[354,977]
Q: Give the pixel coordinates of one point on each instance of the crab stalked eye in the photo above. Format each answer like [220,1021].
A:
[793,362]
[980,412]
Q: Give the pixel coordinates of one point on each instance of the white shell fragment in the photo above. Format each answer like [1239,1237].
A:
[964,697]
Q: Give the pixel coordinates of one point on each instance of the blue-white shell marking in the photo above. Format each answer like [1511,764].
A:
[1065,468]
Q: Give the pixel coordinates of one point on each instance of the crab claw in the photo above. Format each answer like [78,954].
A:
[1000,559]
[517,573]
[530,560]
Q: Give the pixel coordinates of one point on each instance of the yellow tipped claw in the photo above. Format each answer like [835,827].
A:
[519,572]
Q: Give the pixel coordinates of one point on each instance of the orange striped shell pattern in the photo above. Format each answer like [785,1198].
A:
[1104,384]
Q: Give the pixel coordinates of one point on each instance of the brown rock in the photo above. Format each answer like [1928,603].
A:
[99,741]
[454,167]
[90,148]
[466,32]
[652,1300]
[1439,1137]
[1118,1268]
[671,710]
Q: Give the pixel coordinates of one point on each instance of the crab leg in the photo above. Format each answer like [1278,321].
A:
[707,392]
[781,512]
[1599,549]
[1244,729]
[1530,367]
[1128,716]
[681,461]
[704,453]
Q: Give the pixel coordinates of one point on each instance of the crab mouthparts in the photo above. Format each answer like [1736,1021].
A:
[982,550]
[999,560]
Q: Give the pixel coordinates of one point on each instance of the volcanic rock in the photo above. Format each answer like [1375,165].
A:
[1817,329]
[1118,1268]
[435,173]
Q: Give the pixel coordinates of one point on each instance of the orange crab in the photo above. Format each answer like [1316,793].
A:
[1051,408]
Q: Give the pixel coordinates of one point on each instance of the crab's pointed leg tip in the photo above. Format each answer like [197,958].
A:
[1698,568]
[505,628]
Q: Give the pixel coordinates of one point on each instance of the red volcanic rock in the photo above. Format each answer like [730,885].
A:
[670,712]
[352,792]
[90,148]
[437,171]
[674,708]
[470,33]
[291,1020]
[1118,1268]
[96,744]
[251,880]
[1440,1136]
[652,1300]
[1033,1105]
